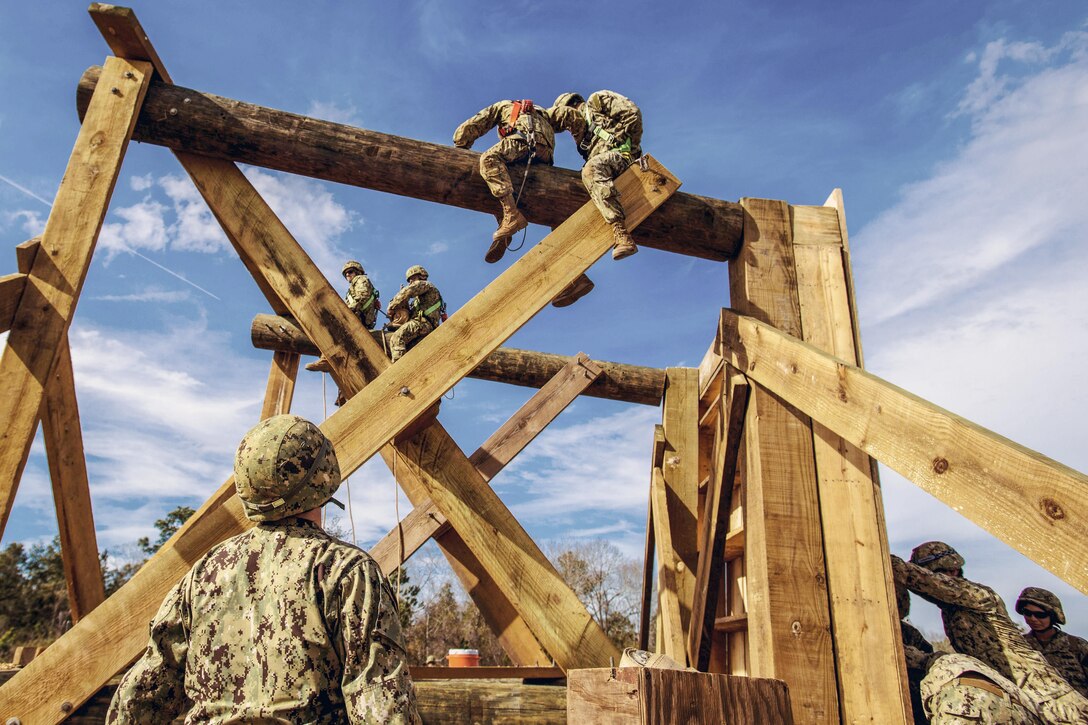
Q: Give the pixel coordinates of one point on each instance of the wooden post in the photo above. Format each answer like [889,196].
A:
[56,278]
[868,646]
[281,384]
[671,640]
[789,635]
[640,696]
[496,452]
[680,476]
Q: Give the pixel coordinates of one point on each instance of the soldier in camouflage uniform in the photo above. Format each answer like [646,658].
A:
[978,625]
[916,647]
[283,623]
[1042,611]
[528,137]
[421,303]
[608,131]
[961,690]
[524,131]
[362,299]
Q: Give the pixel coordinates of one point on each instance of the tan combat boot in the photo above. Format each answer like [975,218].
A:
[320,365]
[573,292]
[623,246]
[512,221]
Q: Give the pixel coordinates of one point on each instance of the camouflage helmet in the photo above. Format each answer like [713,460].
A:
[414,270]
[352,264]
[568,99]
[1043,599]
[285,465]
[937,556]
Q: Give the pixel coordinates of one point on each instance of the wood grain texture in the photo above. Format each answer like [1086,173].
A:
[63,437]
[281,384]
[616,381]
[789,635]
[673,641]
[490,702]
[626,695]
[1029,501]
[11,291]
[712,549]
[868,646]
[491,457]
[680,472]
[56,278]
[188,120]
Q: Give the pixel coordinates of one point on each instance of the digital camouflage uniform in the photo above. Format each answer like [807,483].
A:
[610,151]
[280,624]
[959,689]
[362,299]
[511,149]
[1068,653]
[419,296]
[978,625]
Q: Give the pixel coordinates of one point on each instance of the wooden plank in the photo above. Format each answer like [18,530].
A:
[732,623]
[734,544]
[680,472]
[496,452]
[11,291]
[71,492]
[126,37]
[295,285]
[485,673]
[531,583]
[68,473]
[533,417]
[648,567]
[673,641]
[1029,501]
[616,381]
[56,279]
[815,225]
[233,130]
[868,645]
[711,567]
[281,384]
[492,702]
[405,539]
[626,695]
[786,576]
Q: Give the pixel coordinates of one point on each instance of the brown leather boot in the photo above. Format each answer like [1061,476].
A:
[320,365]
[512,221]
[623,246]
[573,292]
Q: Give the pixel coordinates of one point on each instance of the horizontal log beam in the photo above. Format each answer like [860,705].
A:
[617,381]
[201,123]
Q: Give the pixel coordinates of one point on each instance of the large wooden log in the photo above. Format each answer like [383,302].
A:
[201,123]
[617,381]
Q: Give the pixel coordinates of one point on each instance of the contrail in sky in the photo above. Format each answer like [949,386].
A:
[49,204]
[26,191]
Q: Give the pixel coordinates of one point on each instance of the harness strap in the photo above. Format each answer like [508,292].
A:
[433,308]
[369,302]
[609,138]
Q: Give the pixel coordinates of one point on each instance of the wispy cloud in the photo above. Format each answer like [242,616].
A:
[28,192]
[1017,185]
[332,111]
[967,289]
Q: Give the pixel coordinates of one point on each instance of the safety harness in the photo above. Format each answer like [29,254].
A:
[596,130]
[519,107]
[439,306]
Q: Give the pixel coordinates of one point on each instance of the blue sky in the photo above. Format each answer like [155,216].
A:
[957,131]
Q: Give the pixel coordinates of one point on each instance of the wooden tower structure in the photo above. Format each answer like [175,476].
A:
[766,548]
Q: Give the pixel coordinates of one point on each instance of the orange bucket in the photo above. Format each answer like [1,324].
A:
[464,658]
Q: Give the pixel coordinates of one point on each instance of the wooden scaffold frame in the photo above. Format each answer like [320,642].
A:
[766,546]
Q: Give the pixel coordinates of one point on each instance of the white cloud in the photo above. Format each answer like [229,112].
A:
[148,295]
[1016,185]
[142,226]
[310,212]
[31,222]
[194,228]
[142,183]
[437,248]
[972,291]
[332,111]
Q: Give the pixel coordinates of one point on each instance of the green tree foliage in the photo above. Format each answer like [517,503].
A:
[167,526]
